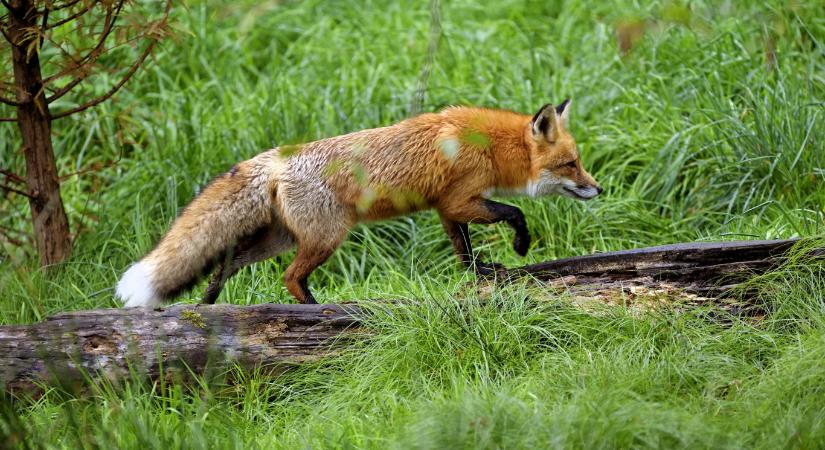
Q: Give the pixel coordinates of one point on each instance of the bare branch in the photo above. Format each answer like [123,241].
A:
[12,176]
[12,230]
[3,31]
[65,89]
[114,88]
[125,78]
[93,54]
[16,191]
[73,16]
[8,119]
[66,5]
[57,93]
[7,233]
[11,240]
[107,30]
[63,51]
[43,26]
[90,169]
[10,102]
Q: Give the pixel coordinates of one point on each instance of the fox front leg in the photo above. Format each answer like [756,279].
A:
[454,218]
[515,218]
[459,234]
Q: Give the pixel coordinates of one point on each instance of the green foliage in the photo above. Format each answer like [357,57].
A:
[702,120]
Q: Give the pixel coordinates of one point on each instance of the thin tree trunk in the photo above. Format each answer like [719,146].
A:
[51,226]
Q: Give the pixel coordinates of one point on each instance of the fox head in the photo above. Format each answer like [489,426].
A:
[556,164]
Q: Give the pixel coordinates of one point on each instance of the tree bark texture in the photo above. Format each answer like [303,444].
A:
[109,343]
[706,268]
[51,226]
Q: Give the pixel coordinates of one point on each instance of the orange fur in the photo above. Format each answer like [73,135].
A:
[451,161]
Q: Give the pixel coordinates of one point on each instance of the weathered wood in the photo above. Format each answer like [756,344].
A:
[170,341]
[111,342]
[708,268]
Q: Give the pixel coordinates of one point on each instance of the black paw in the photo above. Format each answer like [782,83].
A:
[521,243]
[484,269]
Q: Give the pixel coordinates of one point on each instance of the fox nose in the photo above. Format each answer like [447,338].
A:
[599,189]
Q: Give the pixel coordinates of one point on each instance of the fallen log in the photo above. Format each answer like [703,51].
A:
[677,276]
[66,349]
[704,268]
[113,343]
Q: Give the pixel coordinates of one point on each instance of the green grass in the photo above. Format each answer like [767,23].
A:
[697,133]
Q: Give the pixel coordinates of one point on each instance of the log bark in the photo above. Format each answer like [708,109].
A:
[51,226]
[112,343]
[705,268]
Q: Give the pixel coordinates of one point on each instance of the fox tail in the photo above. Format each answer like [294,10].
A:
[234,205]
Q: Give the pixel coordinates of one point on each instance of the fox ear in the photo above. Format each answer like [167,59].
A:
[563,111]
[544,123]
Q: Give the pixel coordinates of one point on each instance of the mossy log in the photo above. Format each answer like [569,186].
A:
[71,348]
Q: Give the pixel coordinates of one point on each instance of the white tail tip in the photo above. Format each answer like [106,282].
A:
[135,287]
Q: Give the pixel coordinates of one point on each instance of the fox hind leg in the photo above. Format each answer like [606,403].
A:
[219,278]
[260,246]
[307,259]
[317,218]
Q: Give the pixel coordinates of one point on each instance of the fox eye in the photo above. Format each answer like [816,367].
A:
[571,164]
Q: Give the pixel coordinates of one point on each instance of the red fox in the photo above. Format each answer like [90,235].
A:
[310,196]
